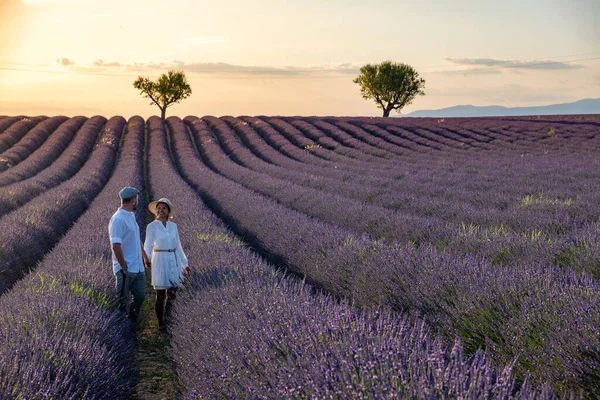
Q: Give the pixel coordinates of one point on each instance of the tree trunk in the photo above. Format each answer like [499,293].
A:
[163,112]
[386,112]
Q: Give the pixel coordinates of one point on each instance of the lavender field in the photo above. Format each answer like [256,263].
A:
[333,257]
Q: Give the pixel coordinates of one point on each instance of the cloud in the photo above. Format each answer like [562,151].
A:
[65,62]
[100,63]
[215,68]
[518,64]
[470,71]
[219,67]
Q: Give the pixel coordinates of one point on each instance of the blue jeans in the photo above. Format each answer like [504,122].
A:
[134,285]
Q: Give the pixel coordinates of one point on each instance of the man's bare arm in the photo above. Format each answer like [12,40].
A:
[118,252]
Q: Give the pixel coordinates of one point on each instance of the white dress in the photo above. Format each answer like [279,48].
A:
[167,267]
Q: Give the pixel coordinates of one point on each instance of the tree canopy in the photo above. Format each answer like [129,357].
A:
[170,88]
[391,85]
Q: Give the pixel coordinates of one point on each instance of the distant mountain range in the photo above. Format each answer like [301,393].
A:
[586,106]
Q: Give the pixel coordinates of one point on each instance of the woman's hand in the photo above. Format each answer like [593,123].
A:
[148,263]
[188,271]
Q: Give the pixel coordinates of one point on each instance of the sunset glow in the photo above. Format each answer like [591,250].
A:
[290,57]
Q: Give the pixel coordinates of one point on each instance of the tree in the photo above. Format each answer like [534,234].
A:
[170,88]
[391,85]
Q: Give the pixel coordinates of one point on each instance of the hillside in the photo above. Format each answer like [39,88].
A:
[586,106]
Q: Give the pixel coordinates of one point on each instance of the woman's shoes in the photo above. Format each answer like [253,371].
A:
[162,331]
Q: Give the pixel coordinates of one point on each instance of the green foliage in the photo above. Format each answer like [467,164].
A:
[391,85]
[502,256]
[170,88]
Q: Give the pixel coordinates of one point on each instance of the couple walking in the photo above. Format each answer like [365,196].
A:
[162,252]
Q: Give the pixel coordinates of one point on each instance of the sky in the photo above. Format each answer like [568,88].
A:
[278,57]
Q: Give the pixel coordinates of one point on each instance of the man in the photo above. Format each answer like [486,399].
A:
[128,254]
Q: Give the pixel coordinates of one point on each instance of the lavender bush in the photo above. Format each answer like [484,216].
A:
[33,229]
[68,164]
[60,335]
[369,273]
[47,153]
[6,122]
[241,330]
[16,131]
[31,141]
[493,266]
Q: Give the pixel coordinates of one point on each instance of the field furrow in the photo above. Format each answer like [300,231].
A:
[332,257]
[35,228]
[265,335]
[6,122]
[47,153]
[16,131]
[60,335]
[63,168]
[297,159]
[463,295]
[30,142]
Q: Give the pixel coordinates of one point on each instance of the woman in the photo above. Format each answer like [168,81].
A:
[168,259]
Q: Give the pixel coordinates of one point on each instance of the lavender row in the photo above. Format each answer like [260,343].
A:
[516,134]
[504,246]
[393,144]
[31,141]
[371,273]
[571,138]
[270,160]
[60,335]
[396,196]
[378,180]
[437,172]
[6,122]
[344,148]
[271,146]
[353,215]
[423,137]
[47,153]
[427,143]
[33,229]
[423,172]
[319,144]
[497,136]
[63,168]
[558,137]
[308,150]
[551,238]
[275,340]
[16,131]
[241,330]
[350,139]
[418,140]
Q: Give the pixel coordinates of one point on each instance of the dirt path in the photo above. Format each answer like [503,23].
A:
[155,370]
[156,375]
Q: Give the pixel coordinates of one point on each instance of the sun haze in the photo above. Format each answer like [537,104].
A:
[292,57]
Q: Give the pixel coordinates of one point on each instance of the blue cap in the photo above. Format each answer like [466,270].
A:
[128,193]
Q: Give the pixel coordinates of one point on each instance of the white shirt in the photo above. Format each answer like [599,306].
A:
[124,229]
[167,267]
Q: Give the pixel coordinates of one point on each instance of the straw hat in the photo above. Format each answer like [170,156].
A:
[152,206]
